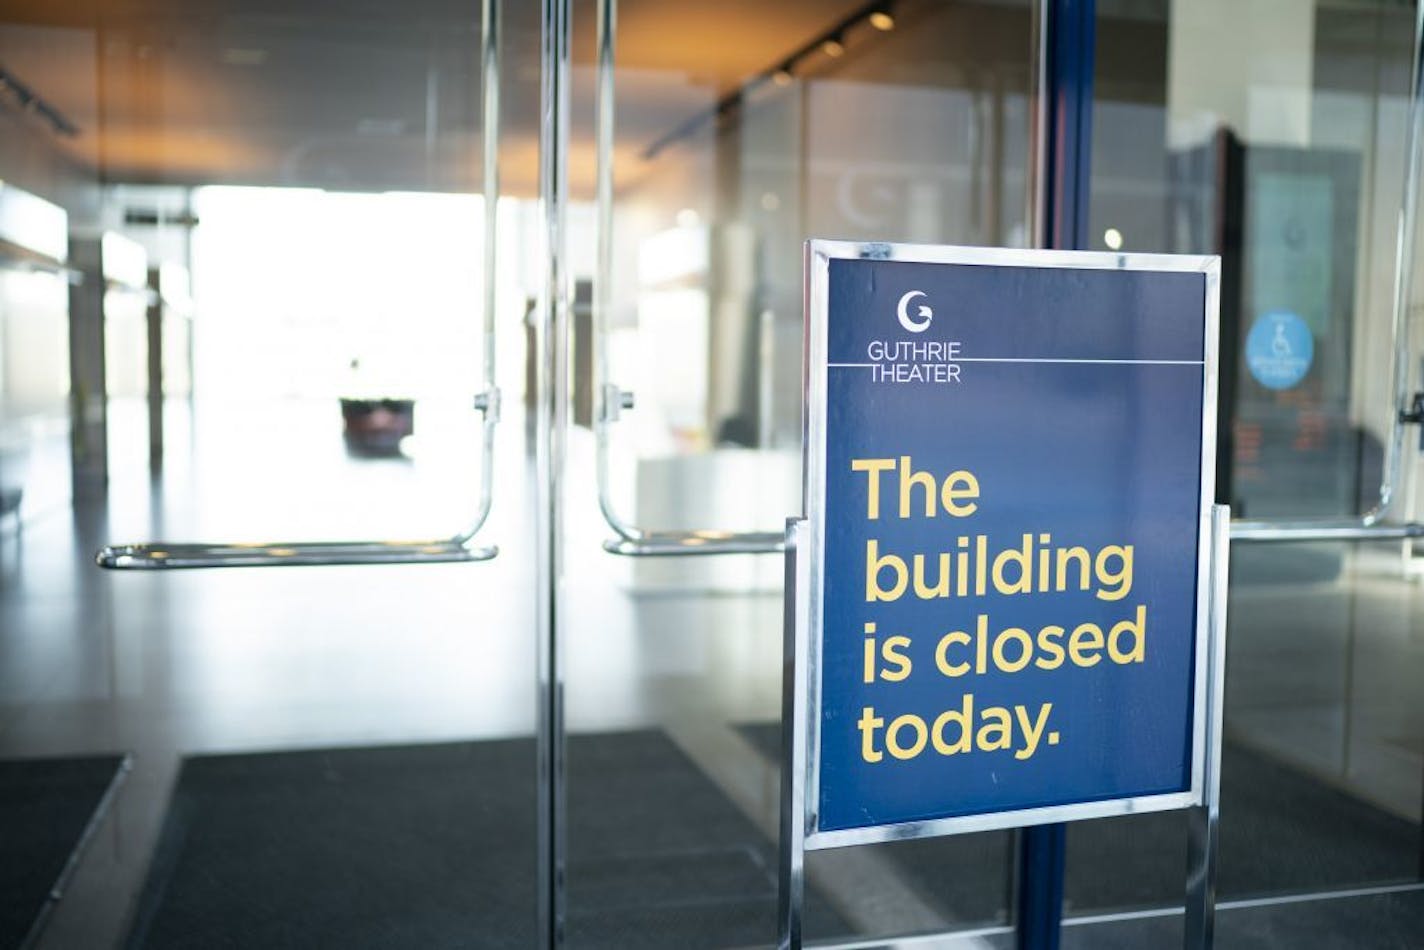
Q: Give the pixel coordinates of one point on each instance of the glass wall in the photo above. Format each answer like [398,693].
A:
[34,394]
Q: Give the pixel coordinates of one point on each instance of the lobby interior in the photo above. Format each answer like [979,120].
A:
[290,307]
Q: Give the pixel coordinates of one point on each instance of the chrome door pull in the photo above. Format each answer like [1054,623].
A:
[670,543]
[161,555]
[165,555]
[613,400]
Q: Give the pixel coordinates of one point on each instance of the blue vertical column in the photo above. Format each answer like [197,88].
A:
[1069,32]
[1040,886]
[1066,87]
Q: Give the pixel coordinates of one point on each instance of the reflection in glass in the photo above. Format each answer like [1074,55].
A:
[742,130]
[1278,142]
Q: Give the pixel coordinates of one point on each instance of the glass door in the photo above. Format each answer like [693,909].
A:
[707,143]
[1282,144]
[342,751]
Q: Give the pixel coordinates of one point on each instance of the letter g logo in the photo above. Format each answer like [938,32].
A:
[914,326]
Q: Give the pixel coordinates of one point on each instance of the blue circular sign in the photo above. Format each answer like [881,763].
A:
[1279,349]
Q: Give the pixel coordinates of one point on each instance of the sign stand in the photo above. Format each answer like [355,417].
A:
[796,635]
[804,810]
[1202,819]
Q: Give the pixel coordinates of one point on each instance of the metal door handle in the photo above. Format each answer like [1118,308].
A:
[162,555]
[165,555]
[632,540]
[1343,529]
[670,543]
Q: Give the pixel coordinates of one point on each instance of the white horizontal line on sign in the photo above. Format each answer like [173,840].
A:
[1030,359]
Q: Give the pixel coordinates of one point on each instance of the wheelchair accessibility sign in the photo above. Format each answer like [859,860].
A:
[1279,350]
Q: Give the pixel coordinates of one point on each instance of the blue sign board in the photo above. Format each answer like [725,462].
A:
[1009,490]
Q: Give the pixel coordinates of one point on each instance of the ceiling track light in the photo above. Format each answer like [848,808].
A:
[831,44]
[30,102]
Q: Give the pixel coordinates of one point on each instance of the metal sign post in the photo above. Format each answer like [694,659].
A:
[1005,605]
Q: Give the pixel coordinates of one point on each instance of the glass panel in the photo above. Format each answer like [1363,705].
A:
[1275,138]
[349,751]
[42,196]
[724,167]
[34,395]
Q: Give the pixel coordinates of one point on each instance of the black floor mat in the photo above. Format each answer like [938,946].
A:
[1282,830]
[433,846]
[964,877]
[1364,922]
[47,808]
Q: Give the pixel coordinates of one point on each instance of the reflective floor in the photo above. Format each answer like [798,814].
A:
[1326,654]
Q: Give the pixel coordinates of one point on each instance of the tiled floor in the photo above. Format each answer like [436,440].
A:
[1326,649]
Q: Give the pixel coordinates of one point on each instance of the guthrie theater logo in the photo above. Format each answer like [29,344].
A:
[914,361]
